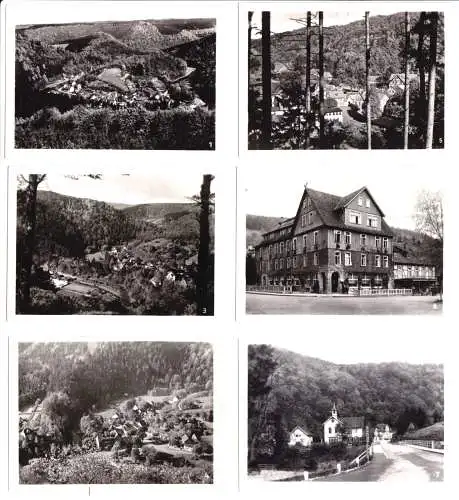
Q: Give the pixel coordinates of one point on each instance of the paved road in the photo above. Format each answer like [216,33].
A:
[395,463]
[278,304]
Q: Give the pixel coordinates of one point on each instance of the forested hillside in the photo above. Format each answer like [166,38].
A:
[344,49]
[288,389]
[89,85]
[256,225]
[98,373]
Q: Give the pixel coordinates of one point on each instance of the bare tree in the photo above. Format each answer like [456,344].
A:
[432,79]
[429,214]
[266,125]
[321,81]
[367,74]
[407,81]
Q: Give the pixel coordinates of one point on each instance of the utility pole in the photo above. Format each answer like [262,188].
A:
[308,75]
[407,81]
[321,81]
[432,79]
[367,75]
[266,124]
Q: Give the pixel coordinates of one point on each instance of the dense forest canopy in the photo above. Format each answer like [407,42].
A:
[287,389]
[99,373]
[344,51]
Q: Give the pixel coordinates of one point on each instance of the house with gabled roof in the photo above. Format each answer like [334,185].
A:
[300,436]
[334,243]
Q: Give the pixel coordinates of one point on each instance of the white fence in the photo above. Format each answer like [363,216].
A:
[385,291]
[423,443]
[270,288]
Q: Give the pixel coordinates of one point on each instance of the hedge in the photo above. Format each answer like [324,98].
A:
[105,128]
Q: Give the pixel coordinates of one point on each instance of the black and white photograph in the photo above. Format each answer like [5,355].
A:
[112,243]
[324,413]
[115,412]
[326,241]
[346,80]
[147,84]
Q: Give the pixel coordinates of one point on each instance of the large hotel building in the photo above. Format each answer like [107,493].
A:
[332,245]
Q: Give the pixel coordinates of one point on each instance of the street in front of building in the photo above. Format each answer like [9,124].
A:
[328,304]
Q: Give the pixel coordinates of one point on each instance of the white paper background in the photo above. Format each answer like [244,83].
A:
[223,331]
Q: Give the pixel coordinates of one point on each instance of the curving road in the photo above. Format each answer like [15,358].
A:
[394,463]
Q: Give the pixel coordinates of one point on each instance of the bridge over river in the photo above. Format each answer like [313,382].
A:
[393,462]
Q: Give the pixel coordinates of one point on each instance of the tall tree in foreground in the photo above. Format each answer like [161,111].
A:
[432,78]
[420,28]
[308,75]
[249,46]
[261,366]
[321,81]
[367,75]
[26,258]
[266,125]
[204,283]
[407,82]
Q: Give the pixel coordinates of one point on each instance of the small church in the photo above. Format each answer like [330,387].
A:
[335,428]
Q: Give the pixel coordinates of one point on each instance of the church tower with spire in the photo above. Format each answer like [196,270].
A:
[334,412]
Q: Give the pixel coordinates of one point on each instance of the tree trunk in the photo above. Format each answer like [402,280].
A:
[204,244]
[421,60]
[407,81]
[367,75]
[29,242]
[266,79]
[321,81]
[308,75]
[249,46]
[432,80]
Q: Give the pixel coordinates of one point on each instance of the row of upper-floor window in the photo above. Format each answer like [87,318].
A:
[339,237]
[340,258]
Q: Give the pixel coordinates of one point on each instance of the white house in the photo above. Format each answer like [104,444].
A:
[332,427]
[335,428]
[300,436]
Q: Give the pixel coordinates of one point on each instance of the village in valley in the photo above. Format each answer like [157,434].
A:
[84,255]
[68,432]
[366,84]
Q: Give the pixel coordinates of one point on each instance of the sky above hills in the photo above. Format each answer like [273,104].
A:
[285,21]
[171,186]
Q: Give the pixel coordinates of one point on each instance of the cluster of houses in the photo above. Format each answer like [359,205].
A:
[339,97]
[118,89]
[338,244]
[337,429]
[119,259]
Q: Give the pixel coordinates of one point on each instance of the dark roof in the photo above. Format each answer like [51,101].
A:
[282,225]
[333,110]
[328,207]
[353,422]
